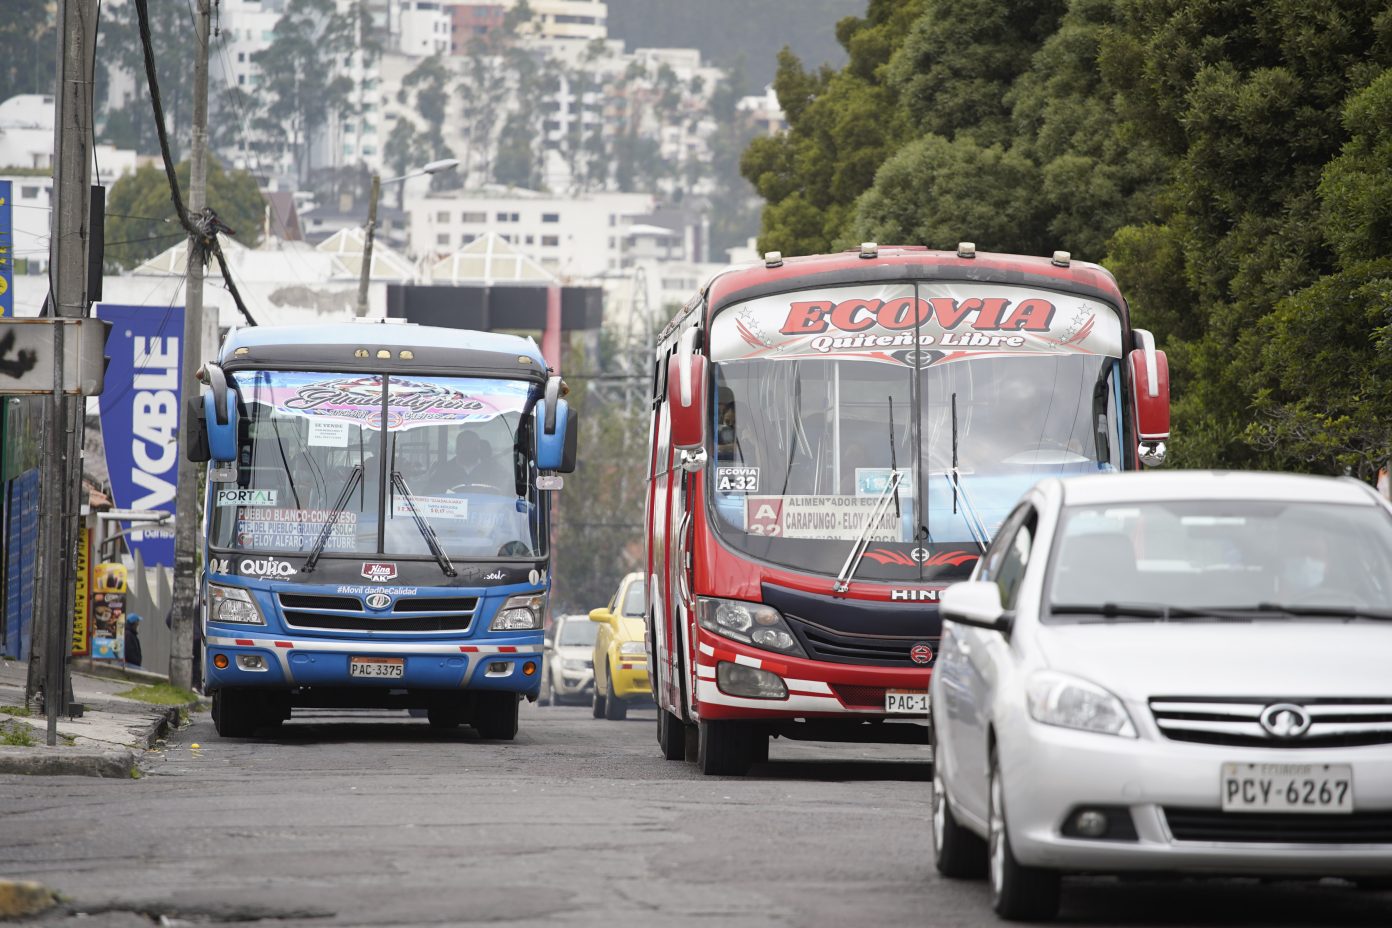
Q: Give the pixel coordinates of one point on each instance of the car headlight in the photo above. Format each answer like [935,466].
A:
[750,623]
[1069,702]
[574,663]
[633,647]
[233,605]
[520,613]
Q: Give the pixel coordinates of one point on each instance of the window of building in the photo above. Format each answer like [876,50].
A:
[466,238]
[442,217]
[550,217]
[550,241]
[241,79]
[473,217]
[442,238]
[506,238]
[369,149]
[28,193]
[531,240]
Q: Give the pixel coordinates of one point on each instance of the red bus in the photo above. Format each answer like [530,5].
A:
[836,438]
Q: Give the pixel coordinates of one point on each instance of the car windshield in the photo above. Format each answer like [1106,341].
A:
[578,632]
[822,396]
[448,462]
[633,600]
[1152,560]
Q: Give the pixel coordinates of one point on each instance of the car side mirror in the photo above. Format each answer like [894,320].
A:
[602,616]
[976,603]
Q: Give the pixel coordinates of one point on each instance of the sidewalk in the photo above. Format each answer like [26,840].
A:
[105,742]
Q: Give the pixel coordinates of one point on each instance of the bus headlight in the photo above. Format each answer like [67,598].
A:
[751,623]
[519,614]
[233,605]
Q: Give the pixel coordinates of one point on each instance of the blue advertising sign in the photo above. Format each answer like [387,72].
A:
[140,417]
[21,552]
[6,251]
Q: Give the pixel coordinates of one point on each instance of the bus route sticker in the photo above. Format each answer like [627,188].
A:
[737,479]
[820,517]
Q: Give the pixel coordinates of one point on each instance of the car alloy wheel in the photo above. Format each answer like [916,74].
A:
[1018,893]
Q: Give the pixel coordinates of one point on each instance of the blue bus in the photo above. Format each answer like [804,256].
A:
[377,522]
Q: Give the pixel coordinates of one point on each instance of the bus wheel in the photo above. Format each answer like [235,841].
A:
[726,749]
[444,715]
[615,709]
[235,713]
[495,716]
[671,735]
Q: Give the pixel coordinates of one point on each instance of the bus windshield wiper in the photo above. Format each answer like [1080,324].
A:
[427,532]
[848,569]
[1330,612]
[323,538]
[969,513]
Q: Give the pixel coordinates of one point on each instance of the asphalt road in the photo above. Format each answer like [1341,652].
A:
[377,819]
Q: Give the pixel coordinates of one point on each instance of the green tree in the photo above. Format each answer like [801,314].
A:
[130,123]
[842,126]
[140,218]
[27,48]
[298,93]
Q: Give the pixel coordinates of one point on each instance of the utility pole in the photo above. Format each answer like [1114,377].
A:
[72,178]
[366,271]
[186,521]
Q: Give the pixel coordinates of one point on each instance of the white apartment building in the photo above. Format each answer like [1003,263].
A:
[422,27]
[573,237]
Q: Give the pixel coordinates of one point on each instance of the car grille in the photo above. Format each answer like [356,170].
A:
[1278,827]
[408,614]
[1227,720]
[823,644]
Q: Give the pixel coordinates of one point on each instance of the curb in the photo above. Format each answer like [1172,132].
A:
[115,763]
[111,671]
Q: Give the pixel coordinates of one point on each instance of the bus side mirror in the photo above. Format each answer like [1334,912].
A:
[220,415]
[686,390]
[557,436]
[1150,398]
[196,432]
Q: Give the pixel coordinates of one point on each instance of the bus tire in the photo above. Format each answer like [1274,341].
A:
[443,715]
[235,713]
[615,709]
[671,735]
[495,716]
[726,749]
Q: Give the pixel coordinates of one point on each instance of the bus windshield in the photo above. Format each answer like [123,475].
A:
[913,414]
[452,460]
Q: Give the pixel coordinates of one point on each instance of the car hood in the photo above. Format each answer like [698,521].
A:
[631,629]
[1271,659]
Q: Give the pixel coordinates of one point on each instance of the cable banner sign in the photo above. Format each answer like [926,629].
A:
[140,418]
[6,251]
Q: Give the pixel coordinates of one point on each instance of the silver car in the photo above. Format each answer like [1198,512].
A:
[1183,672]
[567,671]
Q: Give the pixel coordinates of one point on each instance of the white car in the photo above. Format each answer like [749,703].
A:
[1182,672]
[567,671]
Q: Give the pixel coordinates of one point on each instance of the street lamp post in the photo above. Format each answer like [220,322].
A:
[434,167]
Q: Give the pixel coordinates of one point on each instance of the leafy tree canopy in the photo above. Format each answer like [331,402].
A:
[140,218]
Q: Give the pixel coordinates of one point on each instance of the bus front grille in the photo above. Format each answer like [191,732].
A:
[408,614]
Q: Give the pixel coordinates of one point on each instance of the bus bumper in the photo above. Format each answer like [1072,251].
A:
[815,689]
[270,663]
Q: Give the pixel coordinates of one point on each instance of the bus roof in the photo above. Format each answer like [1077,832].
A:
[335,345]
[899,262]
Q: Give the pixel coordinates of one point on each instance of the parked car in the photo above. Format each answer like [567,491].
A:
[620,654]
[567,672]
[1169,672]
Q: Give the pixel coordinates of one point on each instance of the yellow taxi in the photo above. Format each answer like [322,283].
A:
[620,655]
